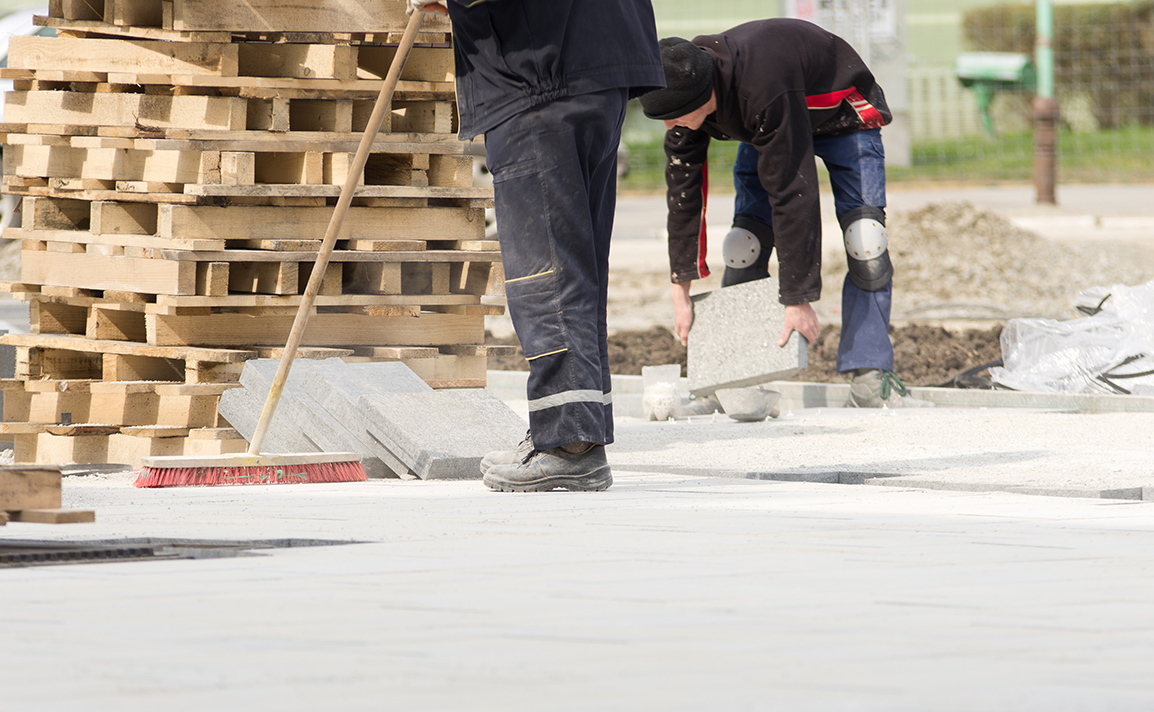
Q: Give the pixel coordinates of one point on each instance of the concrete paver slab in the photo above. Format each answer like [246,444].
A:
[443,434]
[733,342]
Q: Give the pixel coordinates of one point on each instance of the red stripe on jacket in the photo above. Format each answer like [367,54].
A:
[870,117]
[702,268]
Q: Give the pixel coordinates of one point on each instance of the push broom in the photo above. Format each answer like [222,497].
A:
[253,467]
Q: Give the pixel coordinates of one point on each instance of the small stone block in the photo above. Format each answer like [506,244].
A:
[733,342]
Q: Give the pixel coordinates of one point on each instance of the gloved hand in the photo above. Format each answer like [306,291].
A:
[412,6]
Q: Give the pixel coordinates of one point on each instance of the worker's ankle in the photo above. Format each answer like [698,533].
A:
[577,448]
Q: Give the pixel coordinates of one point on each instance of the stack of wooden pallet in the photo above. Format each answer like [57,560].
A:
[178,162]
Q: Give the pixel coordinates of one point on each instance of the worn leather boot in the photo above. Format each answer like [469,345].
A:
[544,470]
[508,457]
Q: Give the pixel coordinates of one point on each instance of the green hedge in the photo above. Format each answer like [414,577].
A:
[1104,52]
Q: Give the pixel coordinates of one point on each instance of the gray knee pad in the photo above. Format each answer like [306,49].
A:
[864,231]
[740,248]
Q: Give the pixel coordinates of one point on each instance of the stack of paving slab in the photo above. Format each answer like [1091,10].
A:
[400,426]
[178,162]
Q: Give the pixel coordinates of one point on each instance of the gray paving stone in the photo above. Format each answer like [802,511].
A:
[298,411]
[443,434]
[242,410]
[337,386]
[733,342]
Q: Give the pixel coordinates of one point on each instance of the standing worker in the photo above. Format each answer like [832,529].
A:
[547,83]
[788,90]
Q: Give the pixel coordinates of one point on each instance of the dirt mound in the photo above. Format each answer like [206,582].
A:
[923,355]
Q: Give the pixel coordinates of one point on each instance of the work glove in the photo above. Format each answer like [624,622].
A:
[412,6]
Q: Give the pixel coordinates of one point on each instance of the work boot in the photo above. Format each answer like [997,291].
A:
[874,388]
[508,457]
[544,470]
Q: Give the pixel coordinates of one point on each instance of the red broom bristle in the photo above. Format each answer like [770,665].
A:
[349,471]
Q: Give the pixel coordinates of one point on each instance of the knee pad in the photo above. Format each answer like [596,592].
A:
[740,248]
[865,248]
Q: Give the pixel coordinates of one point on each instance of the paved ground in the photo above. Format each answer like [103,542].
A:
[703,579]
[667,592]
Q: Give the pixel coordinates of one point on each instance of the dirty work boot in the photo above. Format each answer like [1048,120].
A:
[873,388]
[544,470]
[508,457]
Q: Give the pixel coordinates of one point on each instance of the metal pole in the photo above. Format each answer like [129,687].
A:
[1045,107]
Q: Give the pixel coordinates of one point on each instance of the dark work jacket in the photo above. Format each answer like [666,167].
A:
[778,84]
[515,54]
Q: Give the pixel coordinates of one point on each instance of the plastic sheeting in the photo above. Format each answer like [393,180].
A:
[1109,351]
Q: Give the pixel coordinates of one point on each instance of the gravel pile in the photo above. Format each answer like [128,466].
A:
[953,260]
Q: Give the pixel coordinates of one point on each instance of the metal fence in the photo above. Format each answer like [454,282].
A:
[1104,77]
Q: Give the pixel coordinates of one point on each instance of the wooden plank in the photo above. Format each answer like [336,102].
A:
[481,196]
[72,343]
[123,218]
[23,487]
[54,516]
[297,16]
[323,330]
[256,256]
[100,272]
[115,324]
[109,164]
[424,64]
[254,222]
[136,56]
[82,429]
[170,305]
[270,277]
[129,13]
[143,111]
[116,239]
[301,61]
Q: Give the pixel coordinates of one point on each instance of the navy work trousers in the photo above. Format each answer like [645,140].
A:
[856,165]
[554,171]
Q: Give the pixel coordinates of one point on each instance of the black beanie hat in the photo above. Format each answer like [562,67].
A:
[688,80]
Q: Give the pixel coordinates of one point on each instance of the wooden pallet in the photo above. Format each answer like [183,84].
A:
[179,161]
[336,17]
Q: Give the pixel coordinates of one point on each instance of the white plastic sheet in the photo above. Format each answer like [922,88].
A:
[1110,351]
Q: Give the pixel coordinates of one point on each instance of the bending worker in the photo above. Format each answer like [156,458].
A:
[547,83]
[789,91]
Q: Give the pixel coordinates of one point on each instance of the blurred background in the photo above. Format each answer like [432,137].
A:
[960,76]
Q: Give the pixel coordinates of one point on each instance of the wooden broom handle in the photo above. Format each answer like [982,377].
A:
[334,229]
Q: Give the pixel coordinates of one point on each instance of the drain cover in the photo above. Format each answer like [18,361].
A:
[39,554]
[15,553]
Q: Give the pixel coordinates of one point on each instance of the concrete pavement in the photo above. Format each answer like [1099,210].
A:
[668,592]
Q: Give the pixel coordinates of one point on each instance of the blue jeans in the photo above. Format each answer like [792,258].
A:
[554,172]
[856,165]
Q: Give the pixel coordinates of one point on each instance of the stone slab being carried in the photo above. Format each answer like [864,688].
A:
[733,342]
